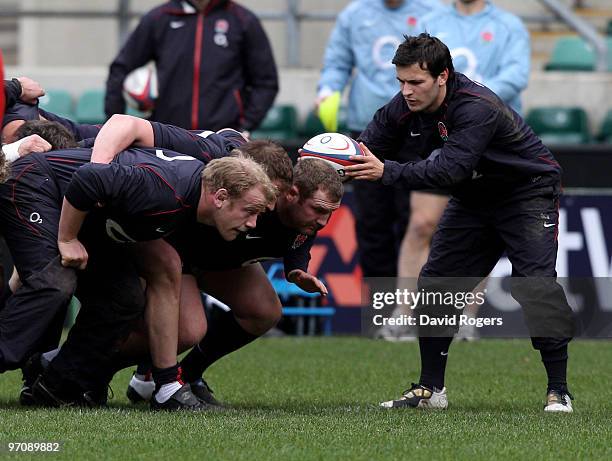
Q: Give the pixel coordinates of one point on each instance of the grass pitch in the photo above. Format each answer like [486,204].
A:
[305,398]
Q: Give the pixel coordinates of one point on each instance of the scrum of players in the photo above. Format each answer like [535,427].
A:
[136,219]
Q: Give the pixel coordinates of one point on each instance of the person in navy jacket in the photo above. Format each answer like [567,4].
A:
[505,186]
[215,67]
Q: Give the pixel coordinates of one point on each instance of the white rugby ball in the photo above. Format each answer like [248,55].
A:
[333,148]
[140,88]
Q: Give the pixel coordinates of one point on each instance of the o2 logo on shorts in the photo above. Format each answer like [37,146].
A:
[35,218]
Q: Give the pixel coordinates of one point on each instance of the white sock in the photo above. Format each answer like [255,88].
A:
[144,388]
[48,356]
[167,391]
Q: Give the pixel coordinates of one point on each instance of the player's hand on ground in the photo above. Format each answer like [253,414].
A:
[368,167]
[33,143]
[307,282]
[73,254]
[30,90]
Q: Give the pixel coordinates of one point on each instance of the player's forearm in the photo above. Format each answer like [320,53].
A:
[71,220]
[119,133]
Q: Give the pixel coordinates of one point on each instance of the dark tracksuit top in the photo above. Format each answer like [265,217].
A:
[488,152]
[12,92]
[505,186]
[215,69]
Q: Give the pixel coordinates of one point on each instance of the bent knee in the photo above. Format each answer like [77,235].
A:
[258,322]
[421,227]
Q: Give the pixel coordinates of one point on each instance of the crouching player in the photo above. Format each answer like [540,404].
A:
[505,187]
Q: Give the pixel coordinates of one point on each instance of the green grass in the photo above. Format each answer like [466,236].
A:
[302,399]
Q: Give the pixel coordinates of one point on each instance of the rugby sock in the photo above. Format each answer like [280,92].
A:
[434,352]
[224,335]
[555,362]
[143,370]
[167,382]
[142,387]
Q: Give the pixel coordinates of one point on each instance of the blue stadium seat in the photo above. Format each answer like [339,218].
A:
[280,124]
[58,102]
[90,107]
[288,291]
[575,54]
[560,125]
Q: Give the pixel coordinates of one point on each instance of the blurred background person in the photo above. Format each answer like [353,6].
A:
[215,67]
[492,47]
[358,53]
[489,45]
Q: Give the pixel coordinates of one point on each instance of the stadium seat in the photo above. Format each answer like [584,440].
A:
[280,124]
[58,102]
[605,133]
[560,125]
[312,126]
[575,54]
[288,291]
[90,107]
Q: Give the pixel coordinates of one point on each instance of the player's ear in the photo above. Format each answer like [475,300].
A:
[443,77]
[293,193]
[220,196]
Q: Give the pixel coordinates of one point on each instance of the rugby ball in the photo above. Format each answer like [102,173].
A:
[140,88]
[333,148]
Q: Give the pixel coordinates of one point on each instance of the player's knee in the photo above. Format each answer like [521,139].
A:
[421,227]
[263,319]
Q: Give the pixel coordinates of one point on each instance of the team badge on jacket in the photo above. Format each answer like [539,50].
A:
[299,241]
[443,131]
[221,29]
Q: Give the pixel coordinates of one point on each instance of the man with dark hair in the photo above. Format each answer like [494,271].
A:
[52,132]
[19,113]
[358,55]
[505,187]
